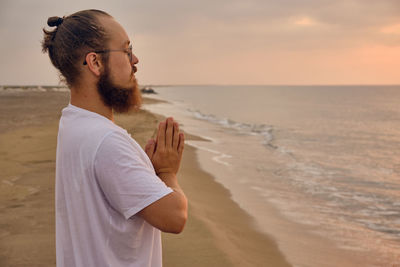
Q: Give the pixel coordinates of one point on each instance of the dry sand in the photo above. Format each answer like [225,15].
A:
[218,232]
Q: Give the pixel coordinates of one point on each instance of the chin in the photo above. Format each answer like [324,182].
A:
[121,98]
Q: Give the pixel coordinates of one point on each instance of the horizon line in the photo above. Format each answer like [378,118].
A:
[216,84]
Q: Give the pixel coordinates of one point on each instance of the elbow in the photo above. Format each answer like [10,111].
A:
[177,223]
[179,217]
[169,214]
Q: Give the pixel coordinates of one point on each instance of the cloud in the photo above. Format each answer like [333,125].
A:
[206,38]
[391,29]
[305,21]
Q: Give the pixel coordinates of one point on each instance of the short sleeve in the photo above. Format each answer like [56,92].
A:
[124,173]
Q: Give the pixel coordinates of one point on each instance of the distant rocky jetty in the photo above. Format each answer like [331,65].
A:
[148,90]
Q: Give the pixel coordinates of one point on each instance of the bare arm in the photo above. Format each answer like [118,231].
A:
[169,214]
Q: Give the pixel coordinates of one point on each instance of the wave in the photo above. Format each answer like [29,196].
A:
[263,130]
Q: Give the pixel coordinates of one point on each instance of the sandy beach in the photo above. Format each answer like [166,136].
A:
[218,231]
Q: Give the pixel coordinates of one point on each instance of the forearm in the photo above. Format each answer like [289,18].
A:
[175,206]
[171,181]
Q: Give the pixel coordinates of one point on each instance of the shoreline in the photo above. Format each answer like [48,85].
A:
[218,231]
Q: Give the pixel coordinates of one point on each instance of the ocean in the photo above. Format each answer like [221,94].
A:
[317,167]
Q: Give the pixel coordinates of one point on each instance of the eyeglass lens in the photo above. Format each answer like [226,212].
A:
[130,53]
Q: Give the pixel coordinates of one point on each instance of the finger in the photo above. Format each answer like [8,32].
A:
[181,144]
[175,142]
[150,147]
[169,132]
[155,133]
[161,136]
[146,148]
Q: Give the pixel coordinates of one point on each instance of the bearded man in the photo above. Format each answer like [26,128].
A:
[112,198]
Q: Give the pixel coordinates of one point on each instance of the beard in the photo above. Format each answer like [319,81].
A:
[120,99]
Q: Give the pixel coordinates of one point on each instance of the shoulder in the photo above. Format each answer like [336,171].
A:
[116,139]
[84,125]
[119,145]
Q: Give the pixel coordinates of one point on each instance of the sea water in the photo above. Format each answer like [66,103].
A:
[318,167]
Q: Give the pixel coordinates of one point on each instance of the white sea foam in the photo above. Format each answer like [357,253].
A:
[219,156]
[243,128]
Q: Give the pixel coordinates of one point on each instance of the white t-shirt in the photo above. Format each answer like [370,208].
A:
[103,179]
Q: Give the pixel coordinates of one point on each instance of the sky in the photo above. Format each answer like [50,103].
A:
[247,42]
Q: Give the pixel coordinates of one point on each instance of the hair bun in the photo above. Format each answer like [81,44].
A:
[54,21]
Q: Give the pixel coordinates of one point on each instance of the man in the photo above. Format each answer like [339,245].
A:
[112,198]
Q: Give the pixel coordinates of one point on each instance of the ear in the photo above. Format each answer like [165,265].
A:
[94,63]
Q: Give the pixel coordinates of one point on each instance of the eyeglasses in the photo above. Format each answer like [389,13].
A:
[127,51]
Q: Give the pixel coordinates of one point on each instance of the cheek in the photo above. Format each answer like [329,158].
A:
[126,70]
[121,68]
[122,73]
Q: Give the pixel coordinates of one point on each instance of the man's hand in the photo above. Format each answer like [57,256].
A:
[166,151]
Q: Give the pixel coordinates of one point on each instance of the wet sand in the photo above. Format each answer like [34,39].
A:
[218,232]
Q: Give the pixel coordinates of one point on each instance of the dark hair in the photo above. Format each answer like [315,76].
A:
[74,37]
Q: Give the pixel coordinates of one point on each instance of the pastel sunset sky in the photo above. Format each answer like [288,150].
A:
[224,41]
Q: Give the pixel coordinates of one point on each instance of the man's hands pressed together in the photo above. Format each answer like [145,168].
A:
[166,152]
[169,214]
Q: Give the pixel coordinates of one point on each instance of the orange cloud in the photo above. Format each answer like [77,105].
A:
[305,21]
[391,29]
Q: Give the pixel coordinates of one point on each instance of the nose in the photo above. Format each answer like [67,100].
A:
[135,60]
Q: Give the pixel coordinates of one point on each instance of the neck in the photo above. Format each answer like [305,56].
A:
[89,99]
